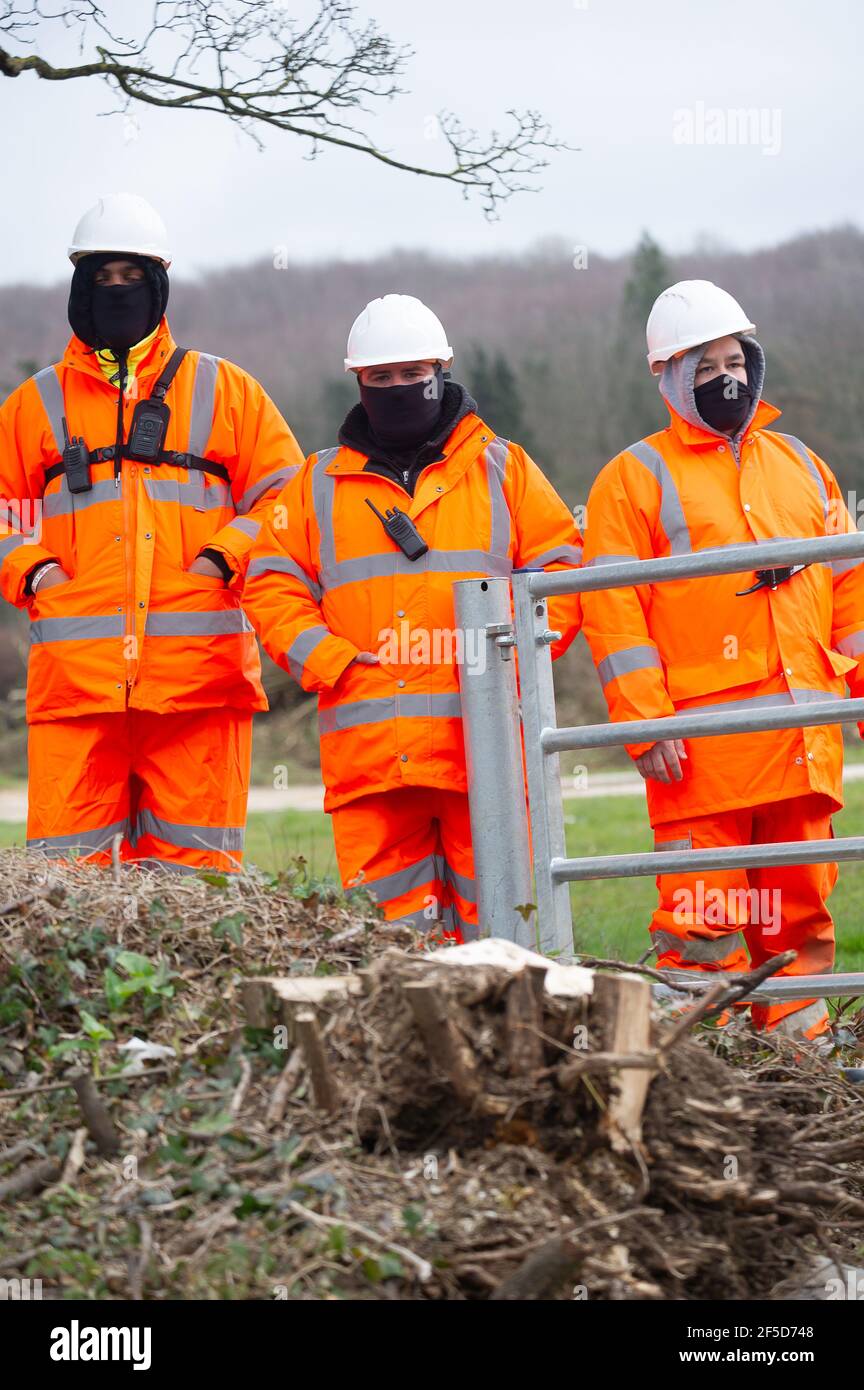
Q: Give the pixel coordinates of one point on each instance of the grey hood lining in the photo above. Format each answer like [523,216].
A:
[676,384]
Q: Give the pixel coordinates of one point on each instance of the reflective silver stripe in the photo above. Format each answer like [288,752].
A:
[562,554]
[390,563]
[66,503]
[275,480]
[78,629]
[9,544]
[666,846]
[386,564]
[418,920]
[853,645]
[610,560]
[212,837]
[193,493]
[499,512]
[782,697]
[246,525]
[403,881]
[49,388]
[203,403]
[356,712]
[283,564]
[302,647]
[470,930]
[803,454]
[323,493]
[625,662]
[793,1025]
[230,621]
[465,887]
[698,952]
[84,841]
[844,566]
[671,512]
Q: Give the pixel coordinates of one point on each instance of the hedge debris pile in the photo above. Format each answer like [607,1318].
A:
[378,1123]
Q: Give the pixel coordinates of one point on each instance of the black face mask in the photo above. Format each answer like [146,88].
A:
[724,402]
[403,416]
[116,316]
[122,313]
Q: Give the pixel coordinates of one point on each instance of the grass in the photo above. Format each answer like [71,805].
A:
[610,917]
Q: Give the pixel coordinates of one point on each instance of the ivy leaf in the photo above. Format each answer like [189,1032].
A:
[232,927]
[215,880]
[95,1030]
[134,964]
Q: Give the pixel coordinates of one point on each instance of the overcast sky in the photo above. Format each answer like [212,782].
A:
[640,88]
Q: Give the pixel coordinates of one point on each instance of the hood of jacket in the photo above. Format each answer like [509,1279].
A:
[677,386]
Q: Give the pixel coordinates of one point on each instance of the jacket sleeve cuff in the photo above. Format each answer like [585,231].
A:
[325,663]
[220,560]
[235,542]
[637,749]
[19,564]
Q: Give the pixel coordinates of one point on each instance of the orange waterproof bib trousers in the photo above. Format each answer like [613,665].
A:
[712,922]
[173,785]
[411,849]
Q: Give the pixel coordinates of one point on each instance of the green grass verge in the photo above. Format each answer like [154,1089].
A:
[610,917]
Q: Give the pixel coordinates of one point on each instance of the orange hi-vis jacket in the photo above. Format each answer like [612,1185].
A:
[132,629]
[693,644]
[325,582]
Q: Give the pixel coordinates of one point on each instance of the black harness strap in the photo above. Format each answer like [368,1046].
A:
[174,457]
[160,389]
[169,456]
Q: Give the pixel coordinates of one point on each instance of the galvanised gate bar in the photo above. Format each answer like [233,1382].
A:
[497,730]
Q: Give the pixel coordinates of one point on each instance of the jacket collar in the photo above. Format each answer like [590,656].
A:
[466,440]
[79,357]
[696,438]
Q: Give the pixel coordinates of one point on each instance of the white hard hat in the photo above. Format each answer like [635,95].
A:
[690,313]
[121,222]
[397,328]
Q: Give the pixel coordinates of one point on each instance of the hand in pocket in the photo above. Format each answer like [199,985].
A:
[52,579]
[206,568]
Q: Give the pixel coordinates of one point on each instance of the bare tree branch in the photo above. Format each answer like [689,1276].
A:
[250,61]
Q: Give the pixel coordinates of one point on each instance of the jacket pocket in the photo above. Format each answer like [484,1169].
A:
[51,602]
[204,581]
[172,586]
[710,676]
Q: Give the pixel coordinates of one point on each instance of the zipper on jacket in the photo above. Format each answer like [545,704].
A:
[128,557]
[122,378]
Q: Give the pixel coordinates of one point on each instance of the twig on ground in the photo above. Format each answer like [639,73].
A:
[96,1116]
[423,1267]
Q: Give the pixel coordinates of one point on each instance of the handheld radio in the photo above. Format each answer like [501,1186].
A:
[76,462]
[401,529]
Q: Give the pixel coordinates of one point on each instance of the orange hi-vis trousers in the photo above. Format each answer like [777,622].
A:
[714,921]
[411,849]
[174,785]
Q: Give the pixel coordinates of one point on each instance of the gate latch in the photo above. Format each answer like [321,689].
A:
[505,638]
